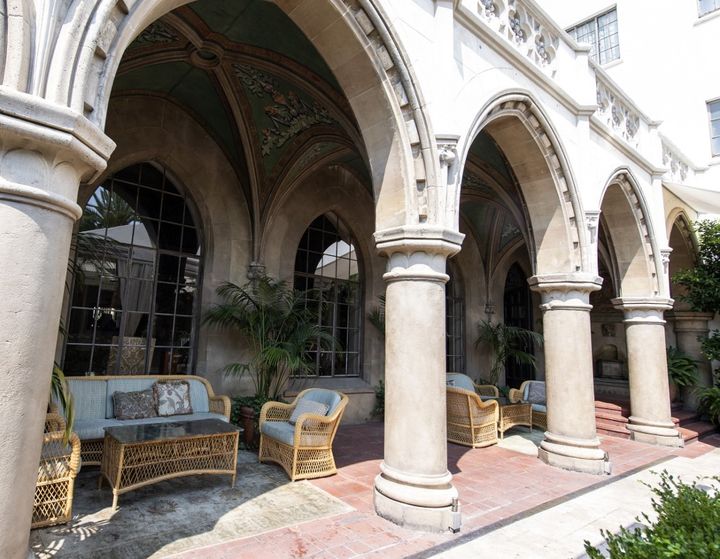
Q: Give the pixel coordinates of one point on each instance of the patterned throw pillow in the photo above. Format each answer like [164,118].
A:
[307,406]
[173,398]
[536,393]
[134,405]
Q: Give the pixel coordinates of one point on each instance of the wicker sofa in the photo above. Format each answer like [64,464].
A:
[93,397]
[532,392]
[470,420]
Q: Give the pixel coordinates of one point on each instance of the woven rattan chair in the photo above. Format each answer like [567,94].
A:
[305,449]
[483,390]
[59,464]
[539,409]
[470,420]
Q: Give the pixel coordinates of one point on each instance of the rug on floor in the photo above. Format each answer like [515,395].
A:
[182,514]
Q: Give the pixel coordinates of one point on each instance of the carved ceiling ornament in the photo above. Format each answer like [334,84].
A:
[156,33]
[289,113]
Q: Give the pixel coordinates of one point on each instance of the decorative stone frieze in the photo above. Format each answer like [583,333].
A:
[522,26]
[615,113]
[677,166]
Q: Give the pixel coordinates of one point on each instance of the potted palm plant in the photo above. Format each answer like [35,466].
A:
[507,343]
[281,329]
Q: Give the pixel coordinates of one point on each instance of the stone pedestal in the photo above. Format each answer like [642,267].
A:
[41,166]
[691,328]
[650,419]
[571,440]
[414,487]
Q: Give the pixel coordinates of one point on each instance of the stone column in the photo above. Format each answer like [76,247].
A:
[650,420]
[691,328]
[45,151]
[414,487]
[571,440]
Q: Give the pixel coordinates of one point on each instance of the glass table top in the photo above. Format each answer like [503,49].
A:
[165,431]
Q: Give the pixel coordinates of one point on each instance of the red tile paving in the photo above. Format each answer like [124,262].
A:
[495,484]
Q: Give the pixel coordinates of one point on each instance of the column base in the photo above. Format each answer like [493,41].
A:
[654,432]
[408,502]
[578,455]
[443,519]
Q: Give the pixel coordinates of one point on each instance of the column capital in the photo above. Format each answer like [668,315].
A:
[691,321]
[417,252]
[643,309]
[46,151]
[565,291]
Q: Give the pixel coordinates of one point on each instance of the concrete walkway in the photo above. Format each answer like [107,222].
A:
[559,531]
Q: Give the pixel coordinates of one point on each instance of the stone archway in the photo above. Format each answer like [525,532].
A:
[642,296]
[59,67]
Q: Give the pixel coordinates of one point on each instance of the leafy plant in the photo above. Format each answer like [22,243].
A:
[507,343]
[711,346]
[702,282]
[60,393]
[686,526]
[682,369]
[377,315]
[379,409]
[709,400]
[281,329]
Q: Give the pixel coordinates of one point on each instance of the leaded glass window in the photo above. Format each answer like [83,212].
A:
[714,117]
[454,324]
[707,6]
[134,275]
[327,270]
[601,33]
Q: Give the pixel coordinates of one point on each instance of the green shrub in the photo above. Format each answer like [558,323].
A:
[709,400]
[686,527]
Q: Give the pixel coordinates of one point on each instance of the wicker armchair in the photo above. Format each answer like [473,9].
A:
[539,409]
[470,421]
[485,391]
[59,464]
[305,449]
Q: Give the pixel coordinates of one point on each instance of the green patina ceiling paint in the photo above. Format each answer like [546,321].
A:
[262,24]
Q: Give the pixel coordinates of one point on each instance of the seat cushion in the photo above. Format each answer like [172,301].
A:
[328,397]
[89,398]
[175,418]
[540,408]
[305,405]
[90,429]
[280,431]
[458,380]
[535,392]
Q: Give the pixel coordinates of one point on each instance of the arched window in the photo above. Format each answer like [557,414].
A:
[454,323]
[135,270]
[326,266]
[517,305]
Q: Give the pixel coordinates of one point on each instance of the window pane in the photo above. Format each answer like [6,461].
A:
[116,266]
[714,109]
[716,146]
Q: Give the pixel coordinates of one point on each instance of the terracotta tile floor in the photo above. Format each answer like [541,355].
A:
[496,486]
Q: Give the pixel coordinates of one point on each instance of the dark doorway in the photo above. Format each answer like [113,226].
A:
[517,304]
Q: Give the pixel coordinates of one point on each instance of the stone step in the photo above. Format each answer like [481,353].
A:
[612,429]
[683,417]
[608,407]
[694,431]
[610,417]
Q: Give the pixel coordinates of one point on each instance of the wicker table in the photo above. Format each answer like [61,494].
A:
[138,455]
[512,415]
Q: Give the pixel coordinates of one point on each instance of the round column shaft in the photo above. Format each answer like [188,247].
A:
[414,487]
[650,419]
[571,440]
[41,167]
